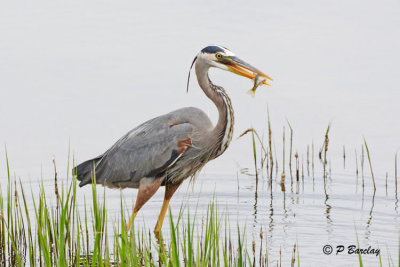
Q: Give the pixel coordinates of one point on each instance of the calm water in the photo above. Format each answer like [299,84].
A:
[80,74]
[311,213]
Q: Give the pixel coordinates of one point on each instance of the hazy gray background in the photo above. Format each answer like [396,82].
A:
[86,72]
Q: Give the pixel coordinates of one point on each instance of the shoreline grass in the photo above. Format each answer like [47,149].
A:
[57,234]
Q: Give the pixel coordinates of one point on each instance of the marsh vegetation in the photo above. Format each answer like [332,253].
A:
[295,196]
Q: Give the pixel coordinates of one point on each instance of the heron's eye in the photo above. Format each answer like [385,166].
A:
[218,56]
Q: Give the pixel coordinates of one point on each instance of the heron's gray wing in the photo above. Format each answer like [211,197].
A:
[146,151]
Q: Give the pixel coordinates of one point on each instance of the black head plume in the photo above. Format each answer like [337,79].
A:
[187,86]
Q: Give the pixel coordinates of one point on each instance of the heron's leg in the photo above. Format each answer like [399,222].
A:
[147,188]
[169,191]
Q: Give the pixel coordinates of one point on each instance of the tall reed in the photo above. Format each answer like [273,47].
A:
[370,164]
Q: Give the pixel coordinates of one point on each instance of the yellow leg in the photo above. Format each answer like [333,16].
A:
[147,188]
[128,226]
[169,191]
[162,215]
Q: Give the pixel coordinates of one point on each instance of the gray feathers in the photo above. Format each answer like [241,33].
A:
[171,147]
[146,151]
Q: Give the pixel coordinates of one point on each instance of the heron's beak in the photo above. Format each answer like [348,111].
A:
[238,66]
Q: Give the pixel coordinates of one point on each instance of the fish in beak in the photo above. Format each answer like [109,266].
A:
[244,69]
[257,81]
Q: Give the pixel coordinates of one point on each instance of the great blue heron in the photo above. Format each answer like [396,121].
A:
[166,150]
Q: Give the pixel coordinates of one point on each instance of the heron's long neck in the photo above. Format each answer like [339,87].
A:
[223,130]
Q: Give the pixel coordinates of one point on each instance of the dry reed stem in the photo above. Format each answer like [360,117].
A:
[325,148]
[291,148]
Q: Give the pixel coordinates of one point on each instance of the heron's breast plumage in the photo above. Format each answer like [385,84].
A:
[202,150]
[230,119]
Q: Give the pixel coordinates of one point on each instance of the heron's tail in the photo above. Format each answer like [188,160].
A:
[84,170]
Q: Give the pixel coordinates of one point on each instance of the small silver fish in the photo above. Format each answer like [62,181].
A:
[257,81]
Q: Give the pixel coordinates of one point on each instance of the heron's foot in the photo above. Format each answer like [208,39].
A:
[160,240]
[157,233]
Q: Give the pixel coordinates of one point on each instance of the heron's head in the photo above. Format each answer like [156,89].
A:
[222,58]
